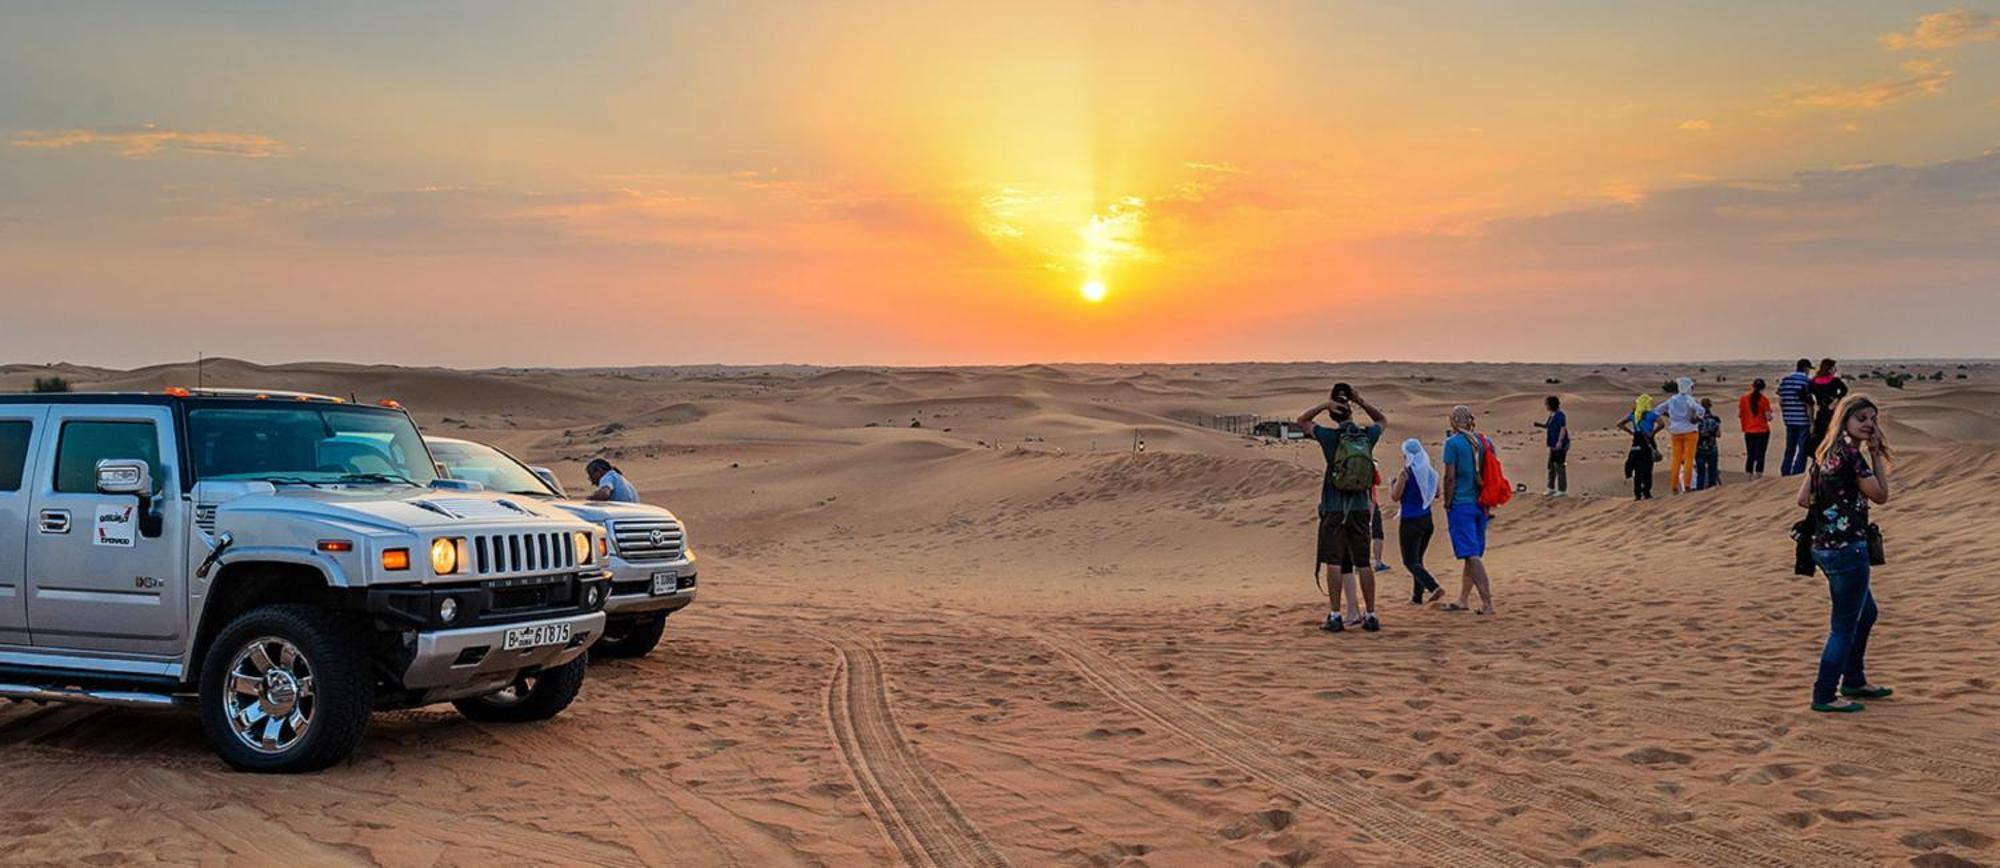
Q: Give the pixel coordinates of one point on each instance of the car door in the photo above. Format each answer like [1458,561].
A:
[19,427]
[97,578]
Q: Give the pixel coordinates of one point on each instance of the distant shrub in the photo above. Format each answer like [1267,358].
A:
[1894,381]
[51,384]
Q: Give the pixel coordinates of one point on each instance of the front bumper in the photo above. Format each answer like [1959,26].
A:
[472,657]
[632,587]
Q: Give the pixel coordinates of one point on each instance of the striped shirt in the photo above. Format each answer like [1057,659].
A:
[1791,397]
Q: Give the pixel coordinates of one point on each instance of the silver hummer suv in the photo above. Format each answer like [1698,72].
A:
[284,563]
[652,563]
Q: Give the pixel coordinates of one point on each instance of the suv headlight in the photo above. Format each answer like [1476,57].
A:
[586,549]
[444,555]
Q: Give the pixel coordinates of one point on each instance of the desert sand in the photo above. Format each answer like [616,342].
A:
[1003,637]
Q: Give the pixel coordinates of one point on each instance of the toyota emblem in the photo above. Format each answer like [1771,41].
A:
[658,537]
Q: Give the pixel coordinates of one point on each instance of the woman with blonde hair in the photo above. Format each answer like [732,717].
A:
[1850,470]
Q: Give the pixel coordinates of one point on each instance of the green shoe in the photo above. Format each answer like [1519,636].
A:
[1869,692]
[1837,708]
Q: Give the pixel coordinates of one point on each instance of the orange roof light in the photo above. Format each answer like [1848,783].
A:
[176,391]
[263,397]
[391,403]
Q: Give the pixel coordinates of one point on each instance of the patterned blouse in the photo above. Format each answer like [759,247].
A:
[1843,509]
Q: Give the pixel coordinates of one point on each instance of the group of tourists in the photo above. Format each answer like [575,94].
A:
[1833,437]
[1694,429]
[1348,554]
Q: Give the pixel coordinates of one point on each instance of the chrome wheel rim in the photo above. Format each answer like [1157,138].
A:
[270,698]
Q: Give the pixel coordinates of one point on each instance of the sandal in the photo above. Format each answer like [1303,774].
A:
[1837,707]
[1455,607]
[1872,691]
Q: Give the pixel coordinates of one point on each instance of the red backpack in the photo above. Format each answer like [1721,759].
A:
[1494,489]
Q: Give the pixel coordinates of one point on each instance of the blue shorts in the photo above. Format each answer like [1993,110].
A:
[1467,522]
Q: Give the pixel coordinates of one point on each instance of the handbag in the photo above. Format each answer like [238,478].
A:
[1875,556]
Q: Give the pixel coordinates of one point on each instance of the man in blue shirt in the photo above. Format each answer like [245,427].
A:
[1464,517]
[1558,428]
[1798,419]
[1345,514]
[611,484]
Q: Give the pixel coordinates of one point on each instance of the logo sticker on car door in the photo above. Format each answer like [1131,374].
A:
[115,526]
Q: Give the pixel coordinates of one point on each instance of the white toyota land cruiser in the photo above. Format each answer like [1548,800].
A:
[285,563]
[652,564]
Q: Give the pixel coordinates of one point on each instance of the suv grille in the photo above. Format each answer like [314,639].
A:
[651,539]
[498,553]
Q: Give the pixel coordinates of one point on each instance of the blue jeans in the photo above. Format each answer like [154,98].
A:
[1706,473]
[1797,450]
[1846,570]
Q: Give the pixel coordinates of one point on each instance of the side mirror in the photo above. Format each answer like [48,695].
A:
[134,477]
[124,476]
[549,476]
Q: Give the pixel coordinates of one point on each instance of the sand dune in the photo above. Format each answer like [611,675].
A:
[1002,636]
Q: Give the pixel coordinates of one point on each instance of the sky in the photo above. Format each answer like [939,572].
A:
[496,184]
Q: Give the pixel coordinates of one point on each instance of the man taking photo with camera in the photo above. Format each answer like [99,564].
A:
[1346,509]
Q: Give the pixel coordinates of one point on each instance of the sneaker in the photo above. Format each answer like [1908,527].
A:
[1332,624]
[1370,624]
[1837,706]
[1382,567]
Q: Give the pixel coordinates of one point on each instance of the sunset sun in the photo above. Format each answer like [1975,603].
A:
[1093,291]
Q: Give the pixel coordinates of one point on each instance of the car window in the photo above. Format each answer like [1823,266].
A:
[83,444]
[14,434]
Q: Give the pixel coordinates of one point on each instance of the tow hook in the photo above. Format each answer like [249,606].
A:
[222,544]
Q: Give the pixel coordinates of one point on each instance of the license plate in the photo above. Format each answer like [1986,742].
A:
[536,636]
[665,583]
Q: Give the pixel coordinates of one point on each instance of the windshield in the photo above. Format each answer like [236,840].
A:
[310,445]
[498,471]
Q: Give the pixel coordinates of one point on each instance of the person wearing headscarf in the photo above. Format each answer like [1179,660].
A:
[1416,488]
[1643,424]
[1683,415]
[1465,519]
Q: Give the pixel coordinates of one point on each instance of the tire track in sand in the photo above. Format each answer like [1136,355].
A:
[914,813]
[1430,840]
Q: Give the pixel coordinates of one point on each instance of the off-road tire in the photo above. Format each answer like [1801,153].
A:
[553,690]
[630,639]
[344,694]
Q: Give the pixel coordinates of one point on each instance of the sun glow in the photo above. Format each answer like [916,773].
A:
[1093,291]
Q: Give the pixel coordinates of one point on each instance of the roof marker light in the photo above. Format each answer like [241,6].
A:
[176,391]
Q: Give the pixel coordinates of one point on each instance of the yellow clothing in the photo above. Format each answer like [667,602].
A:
[1683,474]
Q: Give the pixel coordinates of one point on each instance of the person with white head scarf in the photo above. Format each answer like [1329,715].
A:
[1683,414]
[1416,488]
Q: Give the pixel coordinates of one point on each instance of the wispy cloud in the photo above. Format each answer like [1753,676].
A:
[1919,78]
[1948,29]
[1697,125]
[150,140]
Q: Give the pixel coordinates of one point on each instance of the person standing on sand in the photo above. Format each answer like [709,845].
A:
[1798,419]
[1465,519]
[1644,425]
[1557,426]
[610,484]
[1708,448]
[1850,470]
[1753,412]
[1825,390]
[1415,489]
[1376,533]
[1683,415]
[1345,504]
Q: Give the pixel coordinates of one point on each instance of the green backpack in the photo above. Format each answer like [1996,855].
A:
[1353,468]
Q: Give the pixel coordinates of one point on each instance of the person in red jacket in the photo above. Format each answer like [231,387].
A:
[1753,410]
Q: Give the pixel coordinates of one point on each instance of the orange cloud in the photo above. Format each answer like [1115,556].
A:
[148,140]
[1920,78]
[1946,29]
